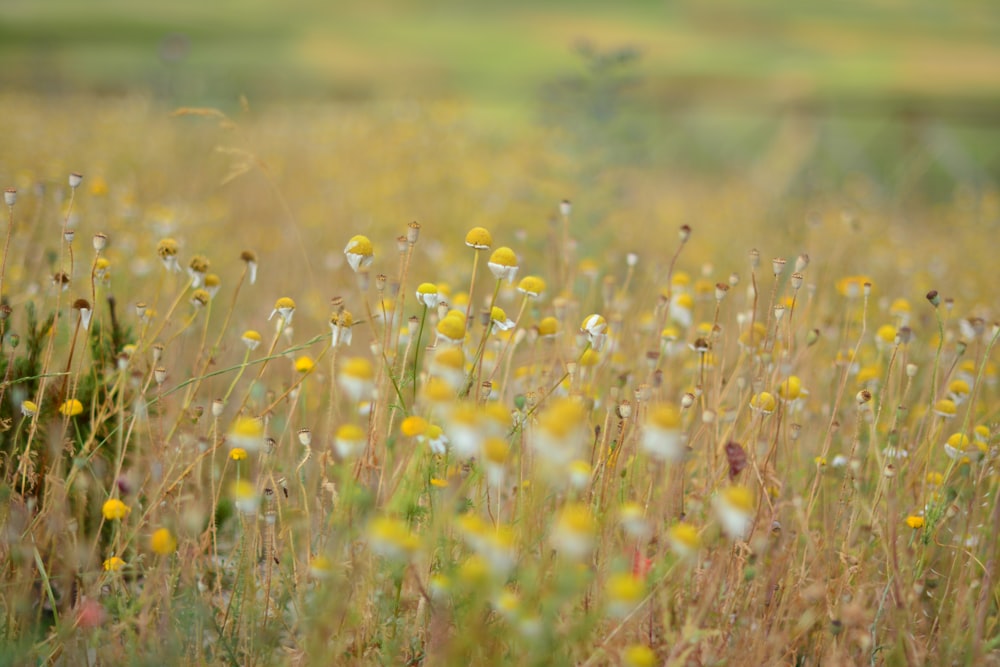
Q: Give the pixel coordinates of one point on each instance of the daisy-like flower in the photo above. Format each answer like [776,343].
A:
[449,365]
[633,521]
[958,391]
[532,286]
[341,325]
[113,564]
[350,441]
[28,408]
[435,438]
[561,430]
[163,542]
[238,454]
[391,538]
[662,436]
[102,269]
[200,298]
[914,521]
[283,308]
[763,403]
[82,306]
[479,238]
[503,264]
[580,474]
[548,328]
[960,447]
[251,339]
[166,250]
[681,307]
[945,408]
[114,509]
[413,426]
[250,257]
[356,378]
[500,320]
[321,567]
[197,268]
[428,295]
[451,328]
[246,433]
[791,389]
[71,407]
[212,284]
[625,591]
[573,531]
[245,497]
[359,252]
[595,326]
[684,539]
[304,364]
[734,507]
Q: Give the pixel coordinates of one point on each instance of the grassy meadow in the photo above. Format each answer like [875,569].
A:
[557,359]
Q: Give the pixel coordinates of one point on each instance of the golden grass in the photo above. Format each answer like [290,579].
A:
[684,451]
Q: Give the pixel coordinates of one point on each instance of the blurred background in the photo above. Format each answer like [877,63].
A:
[701,83]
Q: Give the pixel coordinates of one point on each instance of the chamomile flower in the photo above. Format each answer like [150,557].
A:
[960,447]
[684,539]
[634,522]
[246,433]
[945,408]
[958,391]
[638,655]
[435,438]
[391,538]
[790,389]
[304,364]
[250,257]
[531,286]
[197,268]
[734,508]
[624,593]
[448,364]
[237,454]
[681,308]
[428,295]
[113,564]
[359,253]
[662,436]
[413,426]
[573,531]
[560,432]
[28,408]
[245,496]
[251,339]
[166,250]
[350,441]
[356,378]
[548,328]
[763,403]
[71,408]
[451,329]
[595,327]
[341,326]
[479,238]
[503,264]
[499,319]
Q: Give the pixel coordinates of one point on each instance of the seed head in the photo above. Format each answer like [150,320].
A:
[10,196]
[75,179]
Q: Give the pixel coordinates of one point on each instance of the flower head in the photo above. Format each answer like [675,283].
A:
[251,339]
[283,308]
[166,250]
[304,364]
[478,238]
[500,320]
[357,377]
[113,564]
[734,507]
[428,295]
[245,496]
[763,403]
[350,440]
[246,433]
[663,437]
[451,328]
[503,264]
[595,326]
[71,407]
[163,542]
[532,286]
[684,539]
[238,454]
[573,531]
[341,326]
[114,509]
[359,252]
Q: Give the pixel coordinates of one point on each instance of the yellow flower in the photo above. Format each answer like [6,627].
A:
[413,426]
[114,508]
[548,327]
[251,339]
[638,655]
[428,295]
[790,389]
[28,408]
[350,440]
[163,542]
[359,252]
[684,539]
[531,286]
[246,433]
[452,328]
[113,564]
[503,264]
[237,454]
[763,403]
[71,408]
[284,308]
[915,522]
[304,364]
[478,238]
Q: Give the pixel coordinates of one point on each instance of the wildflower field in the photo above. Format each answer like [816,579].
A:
[373,386]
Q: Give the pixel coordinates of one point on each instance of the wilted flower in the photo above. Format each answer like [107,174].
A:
[359,252]
[350,441]
[166,249]
[341,326]
[662,436]
[503,264]
[735,510]
[284,308]
[573,532]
